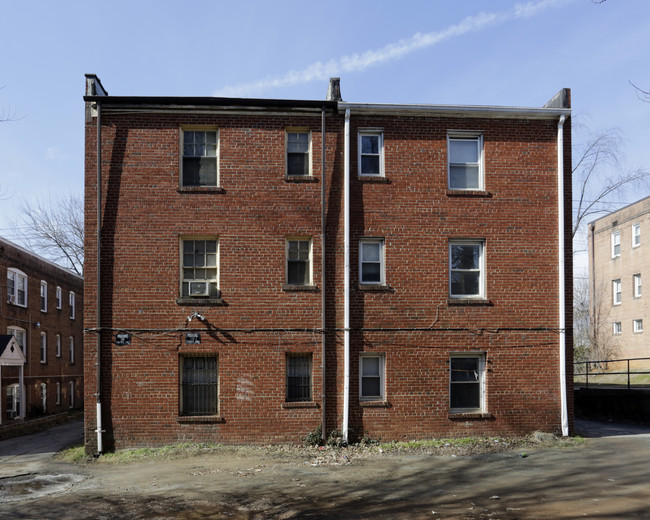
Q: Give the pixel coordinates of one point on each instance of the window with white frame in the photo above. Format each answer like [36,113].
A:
[371,153]
[16,287]
[13,401]
[71,394]
[371,261]
[616,244]
[298,384]
[298,153]
[58,392]
[617,328]
[616,291]
[43,296]
[467,383]
[637,285]
[199,276]
[199,385]
[298,251]
[638,325]
[636,235]
[73,305]
[58,345]
[466,269]
[465,153]
[59,298]
[20,334]
[371,377]
[200,158]
[72,350]
[44,397]
[43,347]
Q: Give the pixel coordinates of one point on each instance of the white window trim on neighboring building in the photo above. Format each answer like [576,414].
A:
[464,137]
[480,269]
[366,372]
[71,394]
[616,244]
[637,285]
[43,347]
[73,305]
[13,395]
[21,337]
[59,297]
[17,285]
[616,292]
[72,352]
[638,326]
[58,392]
[371,133]
[366,260]
[190,151]
[296,144]
[458,380]
[617,328]
[636,235]
[43,296]
[295,257]
[43,397]
[58,345]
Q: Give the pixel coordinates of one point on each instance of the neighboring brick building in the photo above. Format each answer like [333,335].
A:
[618,262]
[448,322]
[41,304]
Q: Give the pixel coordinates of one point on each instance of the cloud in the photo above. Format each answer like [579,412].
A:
[393,51]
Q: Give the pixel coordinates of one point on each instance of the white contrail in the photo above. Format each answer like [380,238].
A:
[392,51]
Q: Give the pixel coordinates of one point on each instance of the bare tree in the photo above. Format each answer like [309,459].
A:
[54,227]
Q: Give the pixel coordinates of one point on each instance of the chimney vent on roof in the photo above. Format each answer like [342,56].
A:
[334,90]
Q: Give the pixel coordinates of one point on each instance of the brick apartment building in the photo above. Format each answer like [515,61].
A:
[270,266]
[618,262]
[41,336]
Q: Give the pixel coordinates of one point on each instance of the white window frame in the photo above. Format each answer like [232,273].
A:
[213,283]
[72,352]
[17,277]
[59,297]
[481,268]
[616,292]
[43,396]
[466,136]
[636,280]
[379,134]
[309,261]
[14,411]
[43,349]
[182,156]
[58,392]
[617,328]
[636,235]
[381,376]
[481,381]
[382,260]
[43,296]
[287,138]
[637,326]
[58,345]
[616,244]
[21,337]
[73,305]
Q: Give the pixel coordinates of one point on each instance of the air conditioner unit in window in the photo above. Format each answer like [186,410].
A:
[11,298]
[199,288]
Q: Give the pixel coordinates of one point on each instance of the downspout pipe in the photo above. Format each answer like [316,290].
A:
[99,431]
[324,281]
[564,414]
[346,280]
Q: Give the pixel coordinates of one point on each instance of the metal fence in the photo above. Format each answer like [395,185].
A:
[616,373]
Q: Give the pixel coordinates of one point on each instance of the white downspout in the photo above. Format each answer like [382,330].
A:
[560,198]
[346,279]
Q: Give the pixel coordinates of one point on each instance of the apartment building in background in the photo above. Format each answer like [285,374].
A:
[262,268]
[41,315]
[618,264]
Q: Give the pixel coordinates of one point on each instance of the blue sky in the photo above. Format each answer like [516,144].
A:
[474,52]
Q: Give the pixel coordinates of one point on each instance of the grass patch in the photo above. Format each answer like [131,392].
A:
[75,454]
[172,451]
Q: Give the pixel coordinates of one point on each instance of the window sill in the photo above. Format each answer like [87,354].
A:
[299,404]
[199,301]
[468,193]
[198,419]
[300,178]
[299,288]
[469,416]
[201,189]
[376,179]
[375,287]
[374,404]
[469,302]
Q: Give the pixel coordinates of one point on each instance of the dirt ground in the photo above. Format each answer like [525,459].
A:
[601,478]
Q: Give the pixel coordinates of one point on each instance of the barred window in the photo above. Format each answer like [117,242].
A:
[199,385]
[299,377]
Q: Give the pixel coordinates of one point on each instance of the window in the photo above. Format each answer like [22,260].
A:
[637,285]
[299,261]
[13,401]
[20,335]
[466,269]
[636,235]
[371,153]
[371,261]
[58,392]
[298,153]
[617,328]
[465,162]
[200,268]
[59,298]
[71,350]
[71,394]
[72,305]
[371,377]
[467,383]
[298,377]
[616,244]
[199,385]
[43,347]
[43,296]
[200,158]
[638,326]
[44,397]
[616,290]
[16,287]
[58,346]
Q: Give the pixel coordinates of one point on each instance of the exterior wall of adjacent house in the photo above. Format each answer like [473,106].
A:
[627,264]
[61,373]
[408,321]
